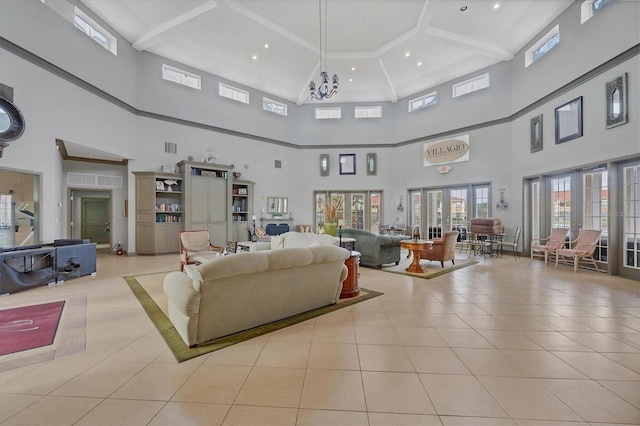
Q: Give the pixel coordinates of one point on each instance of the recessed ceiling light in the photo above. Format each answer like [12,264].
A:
[350,79]
[496,5]
[419,63]
[463,8]
[266,45]
[353,68]
[254,57]
[407,54]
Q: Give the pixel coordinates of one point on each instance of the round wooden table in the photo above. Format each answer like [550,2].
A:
[416,246]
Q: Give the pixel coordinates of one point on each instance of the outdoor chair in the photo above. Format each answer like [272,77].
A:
[513,245]
[581,249]
[545,247]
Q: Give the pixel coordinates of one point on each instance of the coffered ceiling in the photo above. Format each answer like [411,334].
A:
[382,50]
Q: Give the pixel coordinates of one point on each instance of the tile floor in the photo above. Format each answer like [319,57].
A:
[503,342]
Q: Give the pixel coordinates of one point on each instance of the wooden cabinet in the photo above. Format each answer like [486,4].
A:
[350,286]
[159,215]
[207,199]
[242,209]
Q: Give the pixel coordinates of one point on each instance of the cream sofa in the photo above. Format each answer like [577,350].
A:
[294,239]
[241,291]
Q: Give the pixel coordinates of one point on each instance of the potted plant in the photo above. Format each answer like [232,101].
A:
[332,205]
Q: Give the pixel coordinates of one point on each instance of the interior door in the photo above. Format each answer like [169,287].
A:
[96,221]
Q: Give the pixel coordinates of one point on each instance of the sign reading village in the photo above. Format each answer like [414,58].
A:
[446,151]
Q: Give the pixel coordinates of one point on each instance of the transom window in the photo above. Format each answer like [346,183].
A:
[423,101]
[231,92]
[328,113]
[542,46]
[368,112]
[179,76]
[94,31]
[471,85]
[274,106]
[590,8]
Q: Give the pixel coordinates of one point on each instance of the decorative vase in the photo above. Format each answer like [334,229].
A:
[330,228]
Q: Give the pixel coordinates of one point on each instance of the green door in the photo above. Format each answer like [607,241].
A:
[96,224]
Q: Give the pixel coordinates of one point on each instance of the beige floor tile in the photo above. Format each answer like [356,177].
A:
[272,387]
[542,364]
[245,353]
[333,390]
[284,354]
[604,325]
[455,395]
[444,321]
[436,360]
[396,393]
[482,322]
[333,418]
[53,410]
[599,342]
[48,376]
[489,362]
[508,339]
[408,319]
[463,338]
[597,366]
[155,382]
[593,402]
[386,419]
[524,422]
[295,333]
[522,323]
[212,383]
[475,421]
[371,335]
[419,336]
[371,318]
[433,308]
[555,341]
[100,380]
[631,339]
[115,412]
[340,317]
[336,333]
[334,356]
[264,416]
[396,306]
[190,414]
[384,358]
[629,391]
[524,398]
[11,404]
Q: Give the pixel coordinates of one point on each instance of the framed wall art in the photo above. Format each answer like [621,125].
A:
[536,133]
[569,121]
[616,91]
[347,164]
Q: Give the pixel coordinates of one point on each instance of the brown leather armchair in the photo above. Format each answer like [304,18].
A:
[443,249]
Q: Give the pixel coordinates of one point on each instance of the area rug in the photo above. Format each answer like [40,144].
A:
[431,269]
[29,327]
[148,290]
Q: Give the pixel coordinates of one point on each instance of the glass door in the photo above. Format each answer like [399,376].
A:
[631,221]
[375,210]
[433,215]
[355,206]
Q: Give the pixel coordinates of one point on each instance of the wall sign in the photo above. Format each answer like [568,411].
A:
[446,151]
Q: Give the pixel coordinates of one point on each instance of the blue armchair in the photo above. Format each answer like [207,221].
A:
[375,249]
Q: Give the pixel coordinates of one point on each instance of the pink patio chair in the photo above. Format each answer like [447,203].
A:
[545,247]
[582,248]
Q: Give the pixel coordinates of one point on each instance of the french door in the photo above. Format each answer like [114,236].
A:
[355,209]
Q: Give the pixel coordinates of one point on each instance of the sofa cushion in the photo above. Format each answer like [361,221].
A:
[302,239]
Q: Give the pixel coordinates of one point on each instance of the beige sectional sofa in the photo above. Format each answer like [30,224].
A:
[241,291]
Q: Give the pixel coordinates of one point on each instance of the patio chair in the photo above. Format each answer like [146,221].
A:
[513,245]
[545,247]
[194,244]
[581,249]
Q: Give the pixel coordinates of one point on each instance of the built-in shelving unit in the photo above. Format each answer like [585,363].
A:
[159,212]
[242,208]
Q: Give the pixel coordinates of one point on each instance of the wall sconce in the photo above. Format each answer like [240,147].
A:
[372,164]
[324,164]
[502,204]
[400,207]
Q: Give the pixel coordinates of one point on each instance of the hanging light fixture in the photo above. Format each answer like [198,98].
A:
[323,91]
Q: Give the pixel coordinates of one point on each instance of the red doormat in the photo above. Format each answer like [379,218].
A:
[29,327]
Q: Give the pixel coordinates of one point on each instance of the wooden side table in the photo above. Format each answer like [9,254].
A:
[416,246]
[350,287]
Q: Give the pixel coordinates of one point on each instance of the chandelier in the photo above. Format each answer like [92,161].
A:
[323,91]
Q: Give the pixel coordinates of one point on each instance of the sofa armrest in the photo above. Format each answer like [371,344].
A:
[388,240]
[179,288]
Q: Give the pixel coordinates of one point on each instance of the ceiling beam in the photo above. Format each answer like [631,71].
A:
[155,35]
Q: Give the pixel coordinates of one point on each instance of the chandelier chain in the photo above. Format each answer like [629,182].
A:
[324,90]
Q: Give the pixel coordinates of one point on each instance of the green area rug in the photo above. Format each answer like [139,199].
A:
[148,290]
[431,269]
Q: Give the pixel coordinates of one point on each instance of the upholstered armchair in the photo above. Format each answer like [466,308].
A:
[375,249]
[443,249]
[194,244]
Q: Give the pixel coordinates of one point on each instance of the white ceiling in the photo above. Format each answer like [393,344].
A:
[367,40]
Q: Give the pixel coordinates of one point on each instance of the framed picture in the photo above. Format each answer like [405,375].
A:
[569,121]
[372,164]
[347,164]
[616,101]
[159,186]
[324,164]
[232,246]
[536,133]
